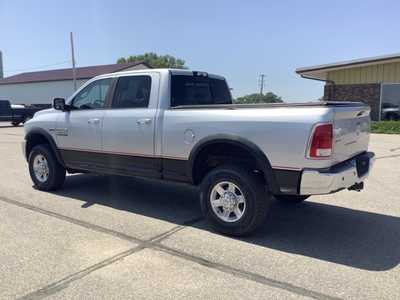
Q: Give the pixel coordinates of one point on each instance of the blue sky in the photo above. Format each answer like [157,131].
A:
[237,39]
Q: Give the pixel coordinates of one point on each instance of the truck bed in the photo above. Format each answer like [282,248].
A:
[274,105]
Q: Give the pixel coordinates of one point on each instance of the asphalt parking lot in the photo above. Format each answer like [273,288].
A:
[120,238]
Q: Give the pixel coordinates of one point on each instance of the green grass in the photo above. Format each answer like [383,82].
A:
[390,127]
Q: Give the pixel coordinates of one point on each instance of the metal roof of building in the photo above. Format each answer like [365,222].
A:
[320,72]
[66,74]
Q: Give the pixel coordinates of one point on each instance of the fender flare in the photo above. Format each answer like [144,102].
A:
[49,139]
[261,158]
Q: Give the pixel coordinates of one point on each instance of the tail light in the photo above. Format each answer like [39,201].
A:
[321,141]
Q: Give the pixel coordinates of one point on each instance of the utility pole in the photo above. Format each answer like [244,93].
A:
[262,83]
[1,66]
[73,60]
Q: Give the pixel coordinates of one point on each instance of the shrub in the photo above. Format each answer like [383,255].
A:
[390,127]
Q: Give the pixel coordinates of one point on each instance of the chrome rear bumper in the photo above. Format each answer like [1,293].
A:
[339,177]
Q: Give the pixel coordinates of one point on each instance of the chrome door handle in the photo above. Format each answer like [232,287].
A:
[93,121]
[143,121]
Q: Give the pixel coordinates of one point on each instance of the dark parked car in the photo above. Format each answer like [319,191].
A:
[17,114]
[390,112]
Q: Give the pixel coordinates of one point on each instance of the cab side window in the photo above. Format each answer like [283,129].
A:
[132,92]
[93,96]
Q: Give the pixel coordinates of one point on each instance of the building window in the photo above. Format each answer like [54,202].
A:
[390,102]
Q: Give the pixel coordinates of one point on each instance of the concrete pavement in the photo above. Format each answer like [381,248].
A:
[117,238]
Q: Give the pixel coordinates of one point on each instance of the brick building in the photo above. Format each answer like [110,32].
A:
[375,81]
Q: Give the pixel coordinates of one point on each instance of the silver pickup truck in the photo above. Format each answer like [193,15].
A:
[181,125]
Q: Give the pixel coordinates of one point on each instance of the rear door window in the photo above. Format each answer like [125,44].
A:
[132,92]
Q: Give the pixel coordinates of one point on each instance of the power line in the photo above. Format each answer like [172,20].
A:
[39,67]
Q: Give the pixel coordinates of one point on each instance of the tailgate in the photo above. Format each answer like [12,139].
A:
[351,127]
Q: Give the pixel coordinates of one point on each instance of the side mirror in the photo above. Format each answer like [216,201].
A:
[59,104]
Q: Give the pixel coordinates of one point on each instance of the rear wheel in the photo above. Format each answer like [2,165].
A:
[291,199]
[46,172]
[235,201]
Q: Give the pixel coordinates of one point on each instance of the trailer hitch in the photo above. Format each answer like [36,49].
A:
[358,187]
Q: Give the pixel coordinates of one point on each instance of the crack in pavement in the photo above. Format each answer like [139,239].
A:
[154,244]
[14,134]
[72,220]
[388,156]
[64,282]
[244,274]
[98,228]
[163,236]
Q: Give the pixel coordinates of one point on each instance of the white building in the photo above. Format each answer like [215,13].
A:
[43,86]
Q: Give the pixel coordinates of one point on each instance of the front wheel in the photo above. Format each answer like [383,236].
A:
[46,172]
[234,200]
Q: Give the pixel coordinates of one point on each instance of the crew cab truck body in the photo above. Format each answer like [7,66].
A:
[181,125]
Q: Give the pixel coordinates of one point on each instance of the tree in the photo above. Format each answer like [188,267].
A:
[155,60]
[259,98]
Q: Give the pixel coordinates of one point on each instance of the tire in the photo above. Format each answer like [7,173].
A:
[53,172]
[391,116]
[256,199]
[15,123]
[27,118]
[291,199]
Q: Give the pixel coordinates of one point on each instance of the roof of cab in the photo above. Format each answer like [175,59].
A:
[161,71]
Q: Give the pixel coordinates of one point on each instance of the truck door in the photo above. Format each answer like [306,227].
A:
[80,128]
[129,126]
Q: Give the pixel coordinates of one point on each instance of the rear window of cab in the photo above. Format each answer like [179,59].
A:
[198,90]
